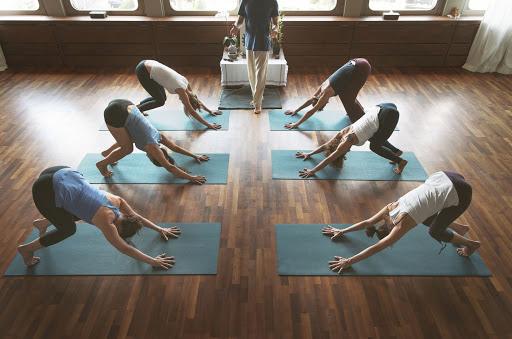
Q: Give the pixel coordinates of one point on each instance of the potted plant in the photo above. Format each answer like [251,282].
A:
[277,43]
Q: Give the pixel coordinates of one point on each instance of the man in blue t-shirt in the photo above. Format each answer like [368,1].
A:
[258,16]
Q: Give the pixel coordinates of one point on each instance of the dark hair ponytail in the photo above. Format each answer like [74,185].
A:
[130,225]
[381,232]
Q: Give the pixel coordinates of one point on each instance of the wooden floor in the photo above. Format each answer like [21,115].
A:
[452,120]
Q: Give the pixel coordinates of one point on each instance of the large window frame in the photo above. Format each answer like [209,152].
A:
[337,11]
[437,10]
[71,11]
[40,11]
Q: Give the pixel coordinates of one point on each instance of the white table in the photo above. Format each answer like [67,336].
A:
[235,73]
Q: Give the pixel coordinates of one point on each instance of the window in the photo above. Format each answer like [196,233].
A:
[19,5]
[478,5]
[407,5]
[307,5]
[105,5]
[204,5]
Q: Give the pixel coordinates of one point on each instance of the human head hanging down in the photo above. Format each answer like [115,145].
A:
[346,83]
[63,197]
[128,127]
[437,204]
[156,78]
[376,126]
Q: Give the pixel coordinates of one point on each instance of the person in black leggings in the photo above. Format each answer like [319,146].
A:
[63,197]
[156,78]
[375,126]
[437,203]
[345,83]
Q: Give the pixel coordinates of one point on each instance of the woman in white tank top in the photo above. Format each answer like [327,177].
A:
[376,126]
[437,204]
[156,78]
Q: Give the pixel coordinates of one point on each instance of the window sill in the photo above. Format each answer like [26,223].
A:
[212,19]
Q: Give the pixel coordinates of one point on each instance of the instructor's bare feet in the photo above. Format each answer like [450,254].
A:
[104,170]
[41,225]
[466,251]
[257,111]
[28,257]
[400,167]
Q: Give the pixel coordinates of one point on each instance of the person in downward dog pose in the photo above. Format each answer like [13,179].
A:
[128,126]
[376,125]
[437,203]
[156,78]
[63,196]
[346,83]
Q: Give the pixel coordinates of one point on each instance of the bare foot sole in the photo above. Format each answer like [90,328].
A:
[466,251]
[41,225]
[104,170]
[28,257]
[400,167]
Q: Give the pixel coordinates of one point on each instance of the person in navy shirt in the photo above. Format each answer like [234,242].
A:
[258,15]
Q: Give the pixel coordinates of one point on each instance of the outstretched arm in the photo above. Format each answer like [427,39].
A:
[341,263]
[191,111]
[203,106]
[173,232]
[158,155]
[322,101]
[175,148]
[113,237]
[336,233]
[342,149]
[304,105]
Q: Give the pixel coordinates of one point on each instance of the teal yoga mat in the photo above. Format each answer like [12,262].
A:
[327,120]
[358,166]
[304,250]
[87,252]
[136,168]
[240,98]
[172,119]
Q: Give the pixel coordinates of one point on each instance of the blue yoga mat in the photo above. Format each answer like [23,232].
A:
[240,98]
[136,168]
[304,250]
[327,120]
[87,252]
[172,119]
[365,166]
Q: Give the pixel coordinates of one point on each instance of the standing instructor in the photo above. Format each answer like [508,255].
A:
[259,15]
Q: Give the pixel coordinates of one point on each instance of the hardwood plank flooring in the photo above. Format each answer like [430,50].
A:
[450,118]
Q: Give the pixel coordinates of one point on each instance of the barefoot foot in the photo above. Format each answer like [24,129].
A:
[400,167]
[103,170]
[41,225]
[466,251]
[28,257]
[257,111]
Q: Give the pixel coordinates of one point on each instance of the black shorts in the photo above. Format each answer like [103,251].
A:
[116,113]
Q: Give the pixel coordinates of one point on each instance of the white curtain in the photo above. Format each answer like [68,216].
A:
[3,64]
[492,49]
